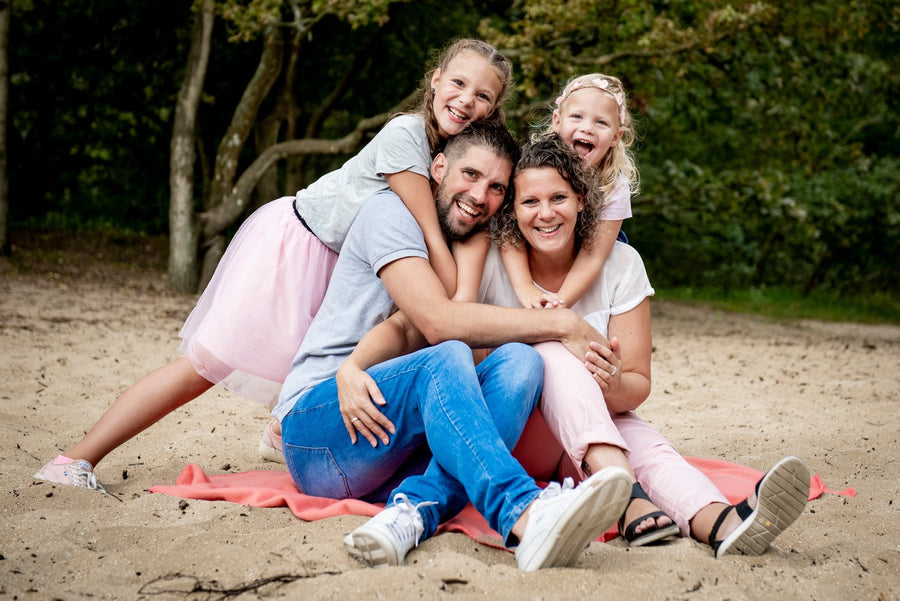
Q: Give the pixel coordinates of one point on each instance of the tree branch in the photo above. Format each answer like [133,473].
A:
[221,216]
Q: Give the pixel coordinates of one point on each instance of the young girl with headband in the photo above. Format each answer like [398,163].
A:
[250,320]
[590,116]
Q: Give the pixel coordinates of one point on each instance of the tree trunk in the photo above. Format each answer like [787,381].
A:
[229,151]
[184,231]
[280,123]
[5,16]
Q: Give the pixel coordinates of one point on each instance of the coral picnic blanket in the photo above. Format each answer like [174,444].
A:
[276,489]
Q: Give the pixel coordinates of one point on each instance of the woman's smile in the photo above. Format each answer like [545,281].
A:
[548,229]
[547,210]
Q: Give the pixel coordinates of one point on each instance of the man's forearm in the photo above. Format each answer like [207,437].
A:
[480,325]
[438,318]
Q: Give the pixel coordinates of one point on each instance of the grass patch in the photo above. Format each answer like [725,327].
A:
[783,303]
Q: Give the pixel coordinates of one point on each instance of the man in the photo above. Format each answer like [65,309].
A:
[451,424]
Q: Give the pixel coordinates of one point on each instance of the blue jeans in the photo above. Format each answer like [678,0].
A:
[455,427]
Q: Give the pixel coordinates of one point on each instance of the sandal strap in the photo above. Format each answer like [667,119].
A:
[715,529]
[637,492]
[629,530]
[743,508]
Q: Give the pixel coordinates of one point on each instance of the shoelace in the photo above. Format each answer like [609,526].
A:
[408,528]
[85,479]
[554,489]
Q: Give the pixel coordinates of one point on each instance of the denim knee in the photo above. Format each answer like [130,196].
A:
[454,350]
[524,369]
[522,355]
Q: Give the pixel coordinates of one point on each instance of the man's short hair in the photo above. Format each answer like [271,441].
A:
[488,134]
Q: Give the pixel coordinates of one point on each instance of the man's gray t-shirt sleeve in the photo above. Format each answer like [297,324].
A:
[383,232]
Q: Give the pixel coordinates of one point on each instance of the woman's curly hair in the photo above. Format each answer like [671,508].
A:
[550,152]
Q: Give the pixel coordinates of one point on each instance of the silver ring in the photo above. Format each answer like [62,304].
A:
[354,419]
[613,372]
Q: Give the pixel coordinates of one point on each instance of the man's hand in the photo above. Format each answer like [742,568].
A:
[359,396]
[580,335]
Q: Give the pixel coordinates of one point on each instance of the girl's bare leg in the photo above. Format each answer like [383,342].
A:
[143,404]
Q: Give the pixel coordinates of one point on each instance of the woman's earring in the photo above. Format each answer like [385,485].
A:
[432,90]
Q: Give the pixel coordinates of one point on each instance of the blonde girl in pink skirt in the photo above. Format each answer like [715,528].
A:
[250,320]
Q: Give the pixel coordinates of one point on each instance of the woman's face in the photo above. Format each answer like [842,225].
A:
[547,211]
[588,122]
[467,90]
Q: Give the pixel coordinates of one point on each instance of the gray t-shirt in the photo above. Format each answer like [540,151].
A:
[383,231]
[329,204]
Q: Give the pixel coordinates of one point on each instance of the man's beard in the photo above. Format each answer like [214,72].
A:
[443,210]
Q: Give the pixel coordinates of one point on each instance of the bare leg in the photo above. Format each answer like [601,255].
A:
[702,524]
[144,403]
[599,456]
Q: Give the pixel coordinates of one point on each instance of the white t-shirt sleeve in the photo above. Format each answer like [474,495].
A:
[621,287]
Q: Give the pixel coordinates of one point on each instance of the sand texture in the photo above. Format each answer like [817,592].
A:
[80,324]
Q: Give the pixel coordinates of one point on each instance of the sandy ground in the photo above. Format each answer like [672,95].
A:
[80,321]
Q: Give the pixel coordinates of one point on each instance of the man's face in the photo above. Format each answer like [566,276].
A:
[470,189]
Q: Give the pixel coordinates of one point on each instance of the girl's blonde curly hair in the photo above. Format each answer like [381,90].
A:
[619,158]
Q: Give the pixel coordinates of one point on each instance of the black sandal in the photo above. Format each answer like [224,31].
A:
[655,535]
[781,496]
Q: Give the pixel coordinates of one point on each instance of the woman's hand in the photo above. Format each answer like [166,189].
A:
[605,364]
[359,396]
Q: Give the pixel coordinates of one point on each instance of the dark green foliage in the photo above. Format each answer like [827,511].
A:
[91,96]
[769,132]
[775,161]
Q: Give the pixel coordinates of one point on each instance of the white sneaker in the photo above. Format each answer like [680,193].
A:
[386,538]
[78,473]
[562,521]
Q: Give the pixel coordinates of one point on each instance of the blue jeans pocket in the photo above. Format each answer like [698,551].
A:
[316,472]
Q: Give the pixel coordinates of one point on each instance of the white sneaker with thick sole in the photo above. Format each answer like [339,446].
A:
[563,520]
[386,538]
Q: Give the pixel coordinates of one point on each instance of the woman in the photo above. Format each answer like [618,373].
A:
[589,405]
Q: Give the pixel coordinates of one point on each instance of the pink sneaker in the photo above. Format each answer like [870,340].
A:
[270,447]
[78,473]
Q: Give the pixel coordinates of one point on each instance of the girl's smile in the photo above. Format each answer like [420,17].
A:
[467,90]
[588,122]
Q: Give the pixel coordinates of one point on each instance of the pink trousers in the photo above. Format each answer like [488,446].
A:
[573,415]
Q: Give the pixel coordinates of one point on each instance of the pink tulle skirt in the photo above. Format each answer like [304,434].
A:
[253,315]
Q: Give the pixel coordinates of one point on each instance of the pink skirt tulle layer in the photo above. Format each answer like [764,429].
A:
[253,315]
